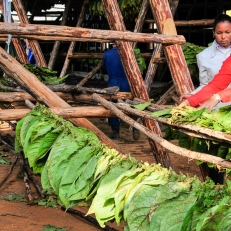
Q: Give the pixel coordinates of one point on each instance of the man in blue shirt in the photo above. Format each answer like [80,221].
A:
[117,77]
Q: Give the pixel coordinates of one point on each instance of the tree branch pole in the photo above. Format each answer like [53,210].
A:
[90,74]
[11,97]
[9,173]
[115,20]
[165,144]
[34,44]
[41,93]
[73,112]
[86,34]
[141,17]
[202,132]
[57,44]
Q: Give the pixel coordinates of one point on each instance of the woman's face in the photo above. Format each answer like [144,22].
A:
[222,33]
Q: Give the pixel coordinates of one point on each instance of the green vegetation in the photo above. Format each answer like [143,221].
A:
[82,171]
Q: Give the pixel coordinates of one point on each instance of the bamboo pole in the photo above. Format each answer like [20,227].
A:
[57,44]
[184,23]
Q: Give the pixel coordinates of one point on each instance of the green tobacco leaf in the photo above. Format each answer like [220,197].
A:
[142,106]
[163,113]
[45,179]
[138,211]
[170,214]
[105,212]
[76,164]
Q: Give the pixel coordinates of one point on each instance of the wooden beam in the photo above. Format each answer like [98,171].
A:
[184,23]
[86,34]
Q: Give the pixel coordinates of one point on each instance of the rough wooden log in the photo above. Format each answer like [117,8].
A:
[134,76]
[32,85]
[72,112]
[33,44]
[156,55]
[164,143]
[11,97]
[184,23]
[57,44]
[87,34]
[179,69]
[94,55]
[72,45]
[176,60]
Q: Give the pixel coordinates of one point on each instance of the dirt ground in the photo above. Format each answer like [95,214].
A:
[18,216]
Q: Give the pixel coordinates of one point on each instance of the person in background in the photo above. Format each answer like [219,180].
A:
[29,52]
[209,61]
[117,77]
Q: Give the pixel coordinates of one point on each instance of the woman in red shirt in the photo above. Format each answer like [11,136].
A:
[214,92]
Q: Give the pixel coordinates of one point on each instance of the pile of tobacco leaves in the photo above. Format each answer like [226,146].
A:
[82,171]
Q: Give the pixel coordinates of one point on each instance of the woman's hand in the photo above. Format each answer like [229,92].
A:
[210,103]
[185,96]
[184,103]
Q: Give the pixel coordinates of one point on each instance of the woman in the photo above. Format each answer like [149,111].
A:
[214,92]
[210,60]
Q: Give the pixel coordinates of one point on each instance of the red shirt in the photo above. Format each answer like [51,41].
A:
[217,84]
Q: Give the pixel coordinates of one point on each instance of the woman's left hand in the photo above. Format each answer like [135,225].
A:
[210,103]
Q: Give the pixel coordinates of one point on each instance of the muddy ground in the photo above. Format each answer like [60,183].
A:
[20,216]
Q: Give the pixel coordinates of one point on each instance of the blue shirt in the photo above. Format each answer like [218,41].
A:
[113,65]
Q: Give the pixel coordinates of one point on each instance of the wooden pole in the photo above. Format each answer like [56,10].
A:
[134,76]
[34,44]
[141,17]
[57,44]
[201,22]
[152,67]
[175,56]
[11,97]
[86,34]
[22,57]
[40,92]
[72,45]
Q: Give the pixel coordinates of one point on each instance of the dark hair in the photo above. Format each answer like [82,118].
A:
[221,18]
